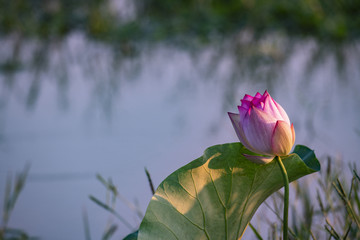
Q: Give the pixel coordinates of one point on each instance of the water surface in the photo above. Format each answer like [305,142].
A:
[88,112]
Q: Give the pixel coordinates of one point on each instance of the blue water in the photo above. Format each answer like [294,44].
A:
[159,110]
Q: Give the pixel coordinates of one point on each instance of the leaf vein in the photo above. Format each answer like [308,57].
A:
[221,202]
[171,180]
[246,202]
[168,228]
[202,210]
[172,205]
[231,186]
[270,172]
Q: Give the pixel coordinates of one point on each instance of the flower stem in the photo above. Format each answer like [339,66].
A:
[286,197]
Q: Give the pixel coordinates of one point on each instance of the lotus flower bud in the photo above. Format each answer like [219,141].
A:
[263,127]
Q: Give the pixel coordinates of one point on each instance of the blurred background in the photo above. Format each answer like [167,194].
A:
[112,86]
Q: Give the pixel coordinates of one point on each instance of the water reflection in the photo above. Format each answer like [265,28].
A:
[105,67]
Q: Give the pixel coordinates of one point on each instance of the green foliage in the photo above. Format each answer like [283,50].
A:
[258,37]
[329,214]
[216,195]
[132,236]
[54,18]
[349,207]
[317,210]
[12,193]
[109,205]
[323,19]
[334,20]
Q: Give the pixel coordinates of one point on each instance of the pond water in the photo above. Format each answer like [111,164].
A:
[90,112]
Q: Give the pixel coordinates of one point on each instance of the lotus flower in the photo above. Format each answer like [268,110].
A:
[263,127]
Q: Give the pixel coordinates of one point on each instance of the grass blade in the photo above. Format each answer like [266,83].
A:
[340,190]
[86,225]
[106,207]
[257,234]
[150,181]
[107,235]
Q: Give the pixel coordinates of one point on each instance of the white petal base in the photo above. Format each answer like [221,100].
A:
[259,159]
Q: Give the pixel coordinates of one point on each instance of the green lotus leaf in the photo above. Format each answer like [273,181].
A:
[132,236]
[216,195]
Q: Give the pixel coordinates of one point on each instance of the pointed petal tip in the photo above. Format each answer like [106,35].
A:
[232,116]
[248,97]
[258,95]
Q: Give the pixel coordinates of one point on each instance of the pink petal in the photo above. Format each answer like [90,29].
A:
[235,120]
[248,97]
[258,128]
[271,108]
[258,159]
[262,105]
[264,95]
[245,103]
[243,111]
[257,98]
[282,139]
[258,95]
[256,102]
[282,112]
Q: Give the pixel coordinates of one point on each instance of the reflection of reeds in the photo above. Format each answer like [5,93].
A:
[258,37]
[105,69]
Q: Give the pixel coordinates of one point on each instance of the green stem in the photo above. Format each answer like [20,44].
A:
[286,197]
